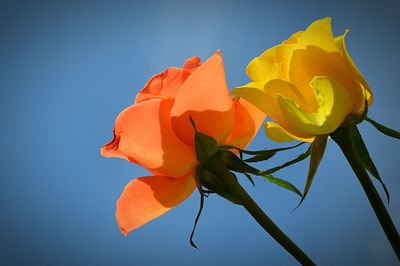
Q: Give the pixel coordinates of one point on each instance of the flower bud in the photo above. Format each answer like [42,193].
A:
[224,183]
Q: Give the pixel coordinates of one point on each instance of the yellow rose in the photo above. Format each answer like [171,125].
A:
[308,84]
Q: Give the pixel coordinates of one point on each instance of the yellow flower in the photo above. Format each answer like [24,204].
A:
[308,85]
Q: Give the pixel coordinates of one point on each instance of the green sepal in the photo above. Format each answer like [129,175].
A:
[233,163]
[259,158]
[267,154]
[282,183]
[216,177]
[236,164]
[216,164]
[205,145]
[363,154]
[249,178]
[299,158]
[317,152]
[385,130]
[200,189]
[357,118]
[220,181]
[261,155]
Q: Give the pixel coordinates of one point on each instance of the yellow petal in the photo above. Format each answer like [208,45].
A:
[253,92]
[273,63]
[341,42]
[294,38]
[263,95]
[278,134]
[314,61]
[319,34]
[334,104]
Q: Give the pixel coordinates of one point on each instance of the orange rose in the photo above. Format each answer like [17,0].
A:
[155,132]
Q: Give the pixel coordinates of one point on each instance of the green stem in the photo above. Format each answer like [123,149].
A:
[342,137]
[270,227]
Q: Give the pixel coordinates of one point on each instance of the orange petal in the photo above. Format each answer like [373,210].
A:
[111,149]
[165,85]
[143,133]
[146,198]
[248,121]
[205,97]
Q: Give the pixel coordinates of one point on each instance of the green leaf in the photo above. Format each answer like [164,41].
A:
[361,148]
[317,152]
[299,158]
[385,130]
[205,145]
[282,183]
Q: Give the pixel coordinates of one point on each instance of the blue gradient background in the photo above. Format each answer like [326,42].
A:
[67,70]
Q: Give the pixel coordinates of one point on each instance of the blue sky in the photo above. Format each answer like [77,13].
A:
[67,69]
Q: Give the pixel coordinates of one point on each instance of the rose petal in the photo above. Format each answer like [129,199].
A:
[312,62]
[294,38]
[205,97]
[265,97]
[273,63]
[165,85]
[277,133]
[254,93]
[341,42]
[248,120]
[334,105]
[318,34]
[146,198]
[143,132]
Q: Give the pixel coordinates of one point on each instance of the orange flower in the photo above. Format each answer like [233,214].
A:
[155,132]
